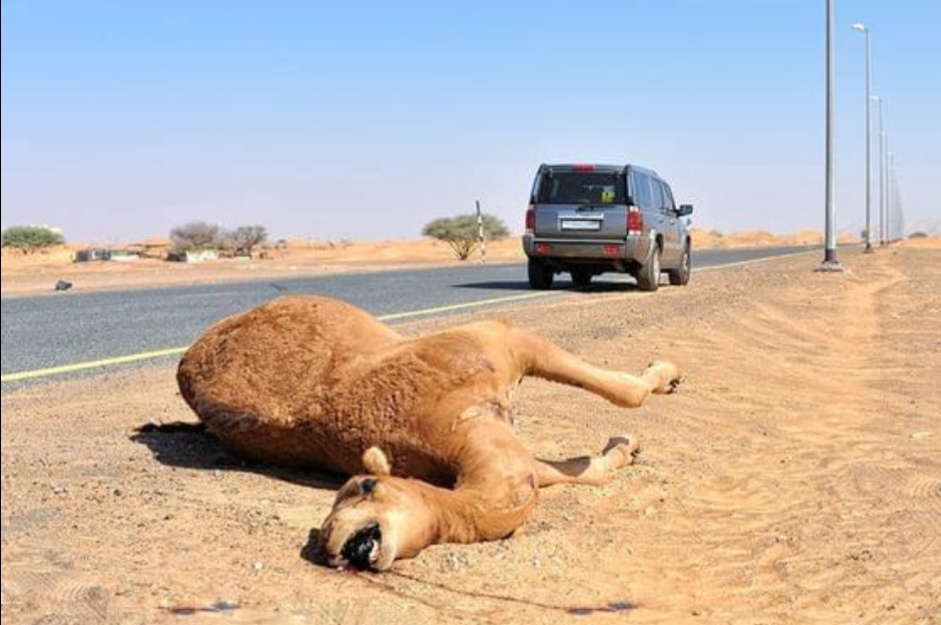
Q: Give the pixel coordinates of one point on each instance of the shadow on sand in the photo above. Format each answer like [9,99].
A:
[190,445]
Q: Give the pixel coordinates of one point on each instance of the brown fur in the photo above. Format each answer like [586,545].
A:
[314,382]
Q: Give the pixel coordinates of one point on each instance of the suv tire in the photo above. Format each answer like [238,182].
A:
[648,276]
[680,276]
[540,275]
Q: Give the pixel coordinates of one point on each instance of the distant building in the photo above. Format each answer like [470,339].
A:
[92,254]
[193,256]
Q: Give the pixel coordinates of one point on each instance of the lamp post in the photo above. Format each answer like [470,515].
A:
[892,233]
[886,207]
[882,144]
[859,26]
[830,262]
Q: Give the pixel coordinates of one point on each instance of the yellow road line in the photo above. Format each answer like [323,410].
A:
[120,360]
[91,364]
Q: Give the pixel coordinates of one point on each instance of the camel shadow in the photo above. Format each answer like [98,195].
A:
[189,445]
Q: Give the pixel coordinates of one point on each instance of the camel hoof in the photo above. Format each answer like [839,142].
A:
[626,444]
[669,376]
[620,451]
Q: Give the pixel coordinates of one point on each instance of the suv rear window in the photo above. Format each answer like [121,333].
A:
[578,187]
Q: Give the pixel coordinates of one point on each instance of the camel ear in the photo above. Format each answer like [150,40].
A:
[376,462]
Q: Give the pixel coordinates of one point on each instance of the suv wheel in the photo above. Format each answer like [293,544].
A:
[680,276]
[540,275]
[581,277]
[648,276]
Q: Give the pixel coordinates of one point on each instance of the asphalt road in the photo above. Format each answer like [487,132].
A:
[74,333]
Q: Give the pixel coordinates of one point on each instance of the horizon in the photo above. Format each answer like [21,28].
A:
[159,240]
[367,121]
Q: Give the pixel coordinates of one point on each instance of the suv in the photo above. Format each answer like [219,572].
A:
[590,219]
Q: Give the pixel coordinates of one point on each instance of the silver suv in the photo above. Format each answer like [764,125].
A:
[590,219]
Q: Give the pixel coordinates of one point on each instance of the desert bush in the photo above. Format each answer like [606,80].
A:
[197,235]
[246,238]
[461,233]
[28,239]
[918,235]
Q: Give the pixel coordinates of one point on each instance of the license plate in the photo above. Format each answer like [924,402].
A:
[581,224]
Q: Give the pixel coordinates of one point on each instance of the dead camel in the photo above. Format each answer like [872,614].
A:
[424,424]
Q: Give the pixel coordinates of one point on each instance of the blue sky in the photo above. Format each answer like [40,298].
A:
[366,120]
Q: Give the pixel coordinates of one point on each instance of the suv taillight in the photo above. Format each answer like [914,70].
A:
[531,219]
[635,221]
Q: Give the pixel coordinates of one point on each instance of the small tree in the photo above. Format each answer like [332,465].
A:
[461,232]
[246,238]
[28,239]
[197,235]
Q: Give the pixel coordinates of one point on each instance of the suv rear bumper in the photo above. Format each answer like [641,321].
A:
[632,249]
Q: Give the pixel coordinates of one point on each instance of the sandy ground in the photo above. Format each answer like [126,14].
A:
[794,478]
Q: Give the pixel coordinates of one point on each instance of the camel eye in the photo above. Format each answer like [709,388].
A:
[368,485]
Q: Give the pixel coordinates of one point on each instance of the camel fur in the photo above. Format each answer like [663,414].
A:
[424,425]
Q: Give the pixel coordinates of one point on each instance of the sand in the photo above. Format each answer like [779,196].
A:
[794,478]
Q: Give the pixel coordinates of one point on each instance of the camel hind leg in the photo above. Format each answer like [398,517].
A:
[543,358]
[590,470]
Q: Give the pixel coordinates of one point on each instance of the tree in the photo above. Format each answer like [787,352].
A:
[28,239]
[245,238]
[462,232]
[197,235]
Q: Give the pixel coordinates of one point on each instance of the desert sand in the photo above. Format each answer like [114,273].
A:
[794,478]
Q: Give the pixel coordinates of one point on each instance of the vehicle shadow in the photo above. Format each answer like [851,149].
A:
[189,445]
[598,286]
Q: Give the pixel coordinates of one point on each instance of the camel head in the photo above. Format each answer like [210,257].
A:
[376,518]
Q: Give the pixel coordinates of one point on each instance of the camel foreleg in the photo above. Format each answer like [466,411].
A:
[543,358]
[590,470]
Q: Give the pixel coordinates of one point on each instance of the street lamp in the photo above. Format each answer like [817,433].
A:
[882,148]
[892,233]
[886,190]
[859,26]
[830,262]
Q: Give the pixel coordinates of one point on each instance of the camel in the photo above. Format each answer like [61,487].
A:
[424,426]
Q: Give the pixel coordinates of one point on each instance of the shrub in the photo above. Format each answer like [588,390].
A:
[245,238]
[197,235]
[28,239]
[462,232]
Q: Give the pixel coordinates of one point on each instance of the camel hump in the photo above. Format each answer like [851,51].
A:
[376,462]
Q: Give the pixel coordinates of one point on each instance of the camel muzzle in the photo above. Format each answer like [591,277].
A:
[362,548]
